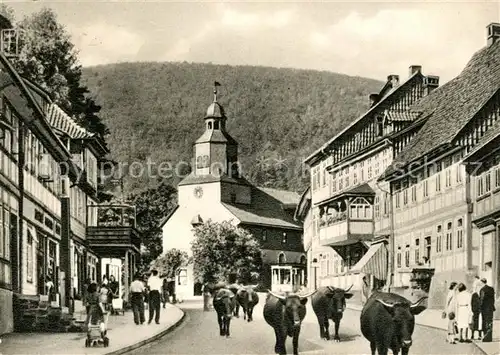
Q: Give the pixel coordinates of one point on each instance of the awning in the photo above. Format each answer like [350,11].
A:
[374,262]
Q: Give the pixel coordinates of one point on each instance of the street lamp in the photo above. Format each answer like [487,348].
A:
[315,265]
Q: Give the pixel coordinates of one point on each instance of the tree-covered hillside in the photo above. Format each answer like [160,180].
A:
[279,116]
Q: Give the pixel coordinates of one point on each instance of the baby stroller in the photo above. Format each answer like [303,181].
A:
[97,328]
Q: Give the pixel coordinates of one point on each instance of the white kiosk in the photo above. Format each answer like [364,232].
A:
[286,278]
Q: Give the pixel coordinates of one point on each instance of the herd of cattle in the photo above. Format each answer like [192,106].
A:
[387,319]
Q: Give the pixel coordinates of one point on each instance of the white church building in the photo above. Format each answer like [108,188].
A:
[215,190]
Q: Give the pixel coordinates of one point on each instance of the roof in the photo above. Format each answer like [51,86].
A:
[266,209]
[304,205]
[59,120]
[215,110]
[450,107]
[359,190]
[216,136]
[167,217]
[271,256]
[371,110]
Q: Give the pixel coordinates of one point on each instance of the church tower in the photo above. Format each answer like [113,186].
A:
[216,152]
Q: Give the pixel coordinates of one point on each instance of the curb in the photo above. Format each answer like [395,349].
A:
[151,339]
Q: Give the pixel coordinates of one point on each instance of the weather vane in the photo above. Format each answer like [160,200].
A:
[216,83]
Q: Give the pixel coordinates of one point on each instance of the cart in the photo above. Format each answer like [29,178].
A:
[117,304]
[97,333]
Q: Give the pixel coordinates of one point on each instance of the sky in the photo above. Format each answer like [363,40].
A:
[368,38]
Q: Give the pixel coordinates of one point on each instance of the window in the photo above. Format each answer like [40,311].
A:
[428,248]
[426,188]
[386,203]
[460,234]
[355,178]
[398,258]
[407,256]
[264,235]
[438,182]
[285,238]
[216,125]
[448,178]
[324,264]
[459,174]
[182,277]
[417,250]
[449,236]
[405,197]
[29,257]
[347,181]
[360,209]
[480,186]
[377,206]
[487,182]
[398,200]
[414,193]
[439,240]
[380,126]
[369,172]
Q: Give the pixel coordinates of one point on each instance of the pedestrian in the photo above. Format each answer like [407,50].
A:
[476,313]
[164,289]
[97,310]
[104,295]
[137,299]
[171,289]
[155,287]
[487,297]
[449,313]
[463,312]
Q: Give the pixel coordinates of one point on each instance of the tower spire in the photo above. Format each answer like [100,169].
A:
[216,83]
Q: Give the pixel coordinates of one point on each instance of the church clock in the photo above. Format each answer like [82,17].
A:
[198,192]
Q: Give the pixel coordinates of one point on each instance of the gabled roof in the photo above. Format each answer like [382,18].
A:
[450,107]
[491,135]
[363,190]
[59,120]
[370,111]
[265,209]
[304,205]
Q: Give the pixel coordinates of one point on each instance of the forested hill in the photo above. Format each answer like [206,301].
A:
[278,116]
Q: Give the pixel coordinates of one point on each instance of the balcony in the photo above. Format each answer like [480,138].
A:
[345,232]
[111,230]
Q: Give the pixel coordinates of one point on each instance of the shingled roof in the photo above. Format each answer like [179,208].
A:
[450,107]
[266,208]
[61,121]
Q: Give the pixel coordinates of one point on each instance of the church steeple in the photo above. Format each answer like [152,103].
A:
[216,152]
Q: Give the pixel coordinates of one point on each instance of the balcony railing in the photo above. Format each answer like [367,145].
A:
[331,220]
[112,216]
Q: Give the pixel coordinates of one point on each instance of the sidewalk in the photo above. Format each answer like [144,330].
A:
[124,335]
[432,318]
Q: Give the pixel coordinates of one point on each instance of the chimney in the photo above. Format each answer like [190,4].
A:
[393,79]
[493,33]
[414,69]
[373,99]
[431,82]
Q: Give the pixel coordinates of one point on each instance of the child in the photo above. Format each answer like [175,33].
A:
[452,328]
[96,307]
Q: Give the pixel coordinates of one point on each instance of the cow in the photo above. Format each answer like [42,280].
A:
[329,303]
[247,298]
[285,314]
[387,322]
[234,289]
[224,303]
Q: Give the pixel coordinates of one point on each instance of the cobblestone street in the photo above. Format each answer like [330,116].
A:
[200,335]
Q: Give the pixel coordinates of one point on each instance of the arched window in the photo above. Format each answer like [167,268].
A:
[281,258]
[303,259]
[209,125]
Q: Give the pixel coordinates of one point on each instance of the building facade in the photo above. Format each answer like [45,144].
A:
[349,209]
[426,179]
[438,200]
[49,176]
[215,190]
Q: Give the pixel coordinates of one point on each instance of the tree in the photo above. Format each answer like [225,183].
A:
[48,58]
[152,206]
[222,249]
[170,262]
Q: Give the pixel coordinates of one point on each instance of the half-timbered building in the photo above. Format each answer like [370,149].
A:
[435,199]
[349,209]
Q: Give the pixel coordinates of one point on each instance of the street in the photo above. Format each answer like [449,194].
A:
[199,334]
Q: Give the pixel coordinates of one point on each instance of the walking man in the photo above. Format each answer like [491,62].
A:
[137,299]
[487,296]
[155,287]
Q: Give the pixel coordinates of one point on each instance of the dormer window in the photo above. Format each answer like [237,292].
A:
[209,125]
[216,125]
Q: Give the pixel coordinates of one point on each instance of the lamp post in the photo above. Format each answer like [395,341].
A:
[315,265]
